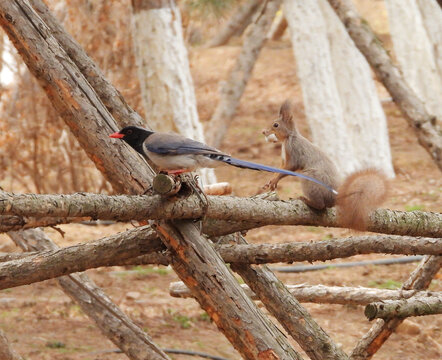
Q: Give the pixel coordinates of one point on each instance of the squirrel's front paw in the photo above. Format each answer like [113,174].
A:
[271,185]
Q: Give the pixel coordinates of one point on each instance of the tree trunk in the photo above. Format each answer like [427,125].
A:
[314,64]
[240,19]
[363,114]
[413,109]
[339,93]
[233,88]
[416,31]
[163,70]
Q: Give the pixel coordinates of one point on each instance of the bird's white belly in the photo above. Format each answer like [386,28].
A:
[189,162]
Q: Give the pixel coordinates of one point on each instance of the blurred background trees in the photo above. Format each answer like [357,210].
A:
[38,154]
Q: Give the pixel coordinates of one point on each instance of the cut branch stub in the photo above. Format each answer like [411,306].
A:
[166,185]
[415,306]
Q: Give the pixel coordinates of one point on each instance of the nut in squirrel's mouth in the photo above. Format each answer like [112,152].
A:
[271,138]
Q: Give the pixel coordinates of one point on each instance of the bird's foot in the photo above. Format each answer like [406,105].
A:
[193,183]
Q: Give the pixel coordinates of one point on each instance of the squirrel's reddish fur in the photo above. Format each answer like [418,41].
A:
[358,194]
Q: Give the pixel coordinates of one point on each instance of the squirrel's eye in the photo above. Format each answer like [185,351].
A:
[275,125]
[129,132]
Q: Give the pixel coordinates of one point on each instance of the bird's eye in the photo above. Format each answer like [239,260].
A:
[129,132]
[275,125]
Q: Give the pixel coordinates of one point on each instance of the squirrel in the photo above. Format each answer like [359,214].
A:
[359,193]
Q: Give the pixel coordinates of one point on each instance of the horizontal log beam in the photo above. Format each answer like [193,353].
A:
[320,294]
[128,247]
[246,213]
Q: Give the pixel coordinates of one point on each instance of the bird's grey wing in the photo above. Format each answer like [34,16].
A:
[174,144]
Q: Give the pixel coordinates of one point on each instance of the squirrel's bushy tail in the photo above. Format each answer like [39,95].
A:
[361,193]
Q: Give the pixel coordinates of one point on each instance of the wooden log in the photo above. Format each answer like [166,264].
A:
[83,111]
[112,322]
[109,95]
[295,319]
[321,294]
[127,248]
[166,185]
[218,189]
[379,333]
[13,222]
[414,306]
[240,213]
[58,262]
[425,125]
[181,239]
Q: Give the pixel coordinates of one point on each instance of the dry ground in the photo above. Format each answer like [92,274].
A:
[43,323]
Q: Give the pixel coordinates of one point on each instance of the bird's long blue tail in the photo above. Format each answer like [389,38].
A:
[253,166]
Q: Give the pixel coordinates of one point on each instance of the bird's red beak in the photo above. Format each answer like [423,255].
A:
[116,135]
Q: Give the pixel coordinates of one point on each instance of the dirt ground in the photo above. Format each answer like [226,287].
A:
[43,323]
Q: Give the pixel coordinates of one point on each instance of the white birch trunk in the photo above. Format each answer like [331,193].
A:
[416,31]
[341,103]
[315,71]
[163,69]
[363,114]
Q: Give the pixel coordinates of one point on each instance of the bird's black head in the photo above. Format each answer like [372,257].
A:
[134,136]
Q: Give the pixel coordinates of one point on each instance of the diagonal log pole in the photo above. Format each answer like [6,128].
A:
[113,323]
[109,95]
[295,319]
[379,333]
[425,125]
[76,101]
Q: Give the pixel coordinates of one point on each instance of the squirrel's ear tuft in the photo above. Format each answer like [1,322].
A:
[285,111]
